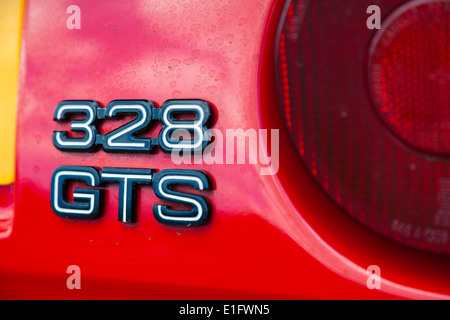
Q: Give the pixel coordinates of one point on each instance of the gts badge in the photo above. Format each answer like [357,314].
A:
[87,203]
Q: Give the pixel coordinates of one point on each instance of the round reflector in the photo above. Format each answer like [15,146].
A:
[409,73]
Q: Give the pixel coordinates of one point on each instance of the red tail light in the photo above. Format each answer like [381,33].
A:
[337,79]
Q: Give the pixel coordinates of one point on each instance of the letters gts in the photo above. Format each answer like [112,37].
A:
[87,203]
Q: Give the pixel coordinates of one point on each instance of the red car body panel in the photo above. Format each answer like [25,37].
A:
[270,237]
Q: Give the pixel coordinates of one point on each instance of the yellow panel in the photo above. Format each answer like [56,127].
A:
[11,17]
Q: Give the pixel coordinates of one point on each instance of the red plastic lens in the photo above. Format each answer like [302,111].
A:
[337,79]
[409,75]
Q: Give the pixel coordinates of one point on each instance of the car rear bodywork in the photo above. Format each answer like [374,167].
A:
[269,236]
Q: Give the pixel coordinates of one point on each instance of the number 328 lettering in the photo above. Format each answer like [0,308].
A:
[126,138]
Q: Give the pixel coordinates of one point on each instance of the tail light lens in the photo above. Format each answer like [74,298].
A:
[368,111]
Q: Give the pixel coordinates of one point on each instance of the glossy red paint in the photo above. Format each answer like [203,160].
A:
[269,237]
